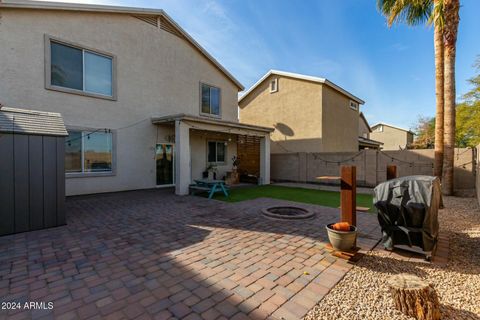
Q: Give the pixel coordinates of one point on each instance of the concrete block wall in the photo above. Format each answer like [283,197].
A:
[371,166]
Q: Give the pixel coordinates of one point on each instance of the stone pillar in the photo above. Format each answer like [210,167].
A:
[302,167]
[264,160]
[371,167]
[182,158]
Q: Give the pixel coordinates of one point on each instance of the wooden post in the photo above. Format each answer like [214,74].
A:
[348,195]
[391,172]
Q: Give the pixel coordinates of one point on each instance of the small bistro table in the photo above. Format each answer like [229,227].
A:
[210,186]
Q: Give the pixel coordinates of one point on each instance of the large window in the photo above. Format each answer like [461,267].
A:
[88,151]
[210,100]
[216,151]
[79,70]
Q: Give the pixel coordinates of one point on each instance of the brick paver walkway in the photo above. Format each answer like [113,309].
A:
[153,255]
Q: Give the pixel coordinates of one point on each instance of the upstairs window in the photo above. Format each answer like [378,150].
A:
[210,103]
[379,128]
[77,70]
[353,105]
[274,85]
[88,152]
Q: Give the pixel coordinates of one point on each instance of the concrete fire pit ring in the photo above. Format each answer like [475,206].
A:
[287,213]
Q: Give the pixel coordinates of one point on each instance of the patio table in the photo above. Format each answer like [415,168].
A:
[211,186]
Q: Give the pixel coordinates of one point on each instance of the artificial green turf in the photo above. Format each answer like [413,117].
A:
[320,197]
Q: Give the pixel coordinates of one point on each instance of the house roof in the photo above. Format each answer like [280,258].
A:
[369,142]
[302,77]
[13,120]
[61,6]
[391,126]
[192,118]
[362,116]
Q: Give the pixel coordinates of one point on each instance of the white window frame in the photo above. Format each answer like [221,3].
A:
[379,128]
[353,105]
[213,115]
[83,173]
[274,82]
[216,162]
[48,63]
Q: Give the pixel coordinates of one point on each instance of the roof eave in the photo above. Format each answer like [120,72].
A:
[301,77]
[392,126]
[43,5]
[187,117]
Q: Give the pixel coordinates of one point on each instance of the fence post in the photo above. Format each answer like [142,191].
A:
[348,195]
[391,172]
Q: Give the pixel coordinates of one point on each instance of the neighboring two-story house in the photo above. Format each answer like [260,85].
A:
[364,130]
[392,137]
[309,114]
[144,104]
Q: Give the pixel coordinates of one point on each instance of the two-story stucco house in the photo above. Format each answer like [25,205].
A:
[144,104]
[364,130]
[392,137]
[309,114]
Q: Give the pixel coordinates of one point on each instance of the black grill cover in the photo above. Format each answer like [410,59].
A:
[408,211]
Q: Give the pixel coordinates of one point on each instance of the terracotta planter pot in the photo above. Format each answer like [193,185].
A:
[342,240]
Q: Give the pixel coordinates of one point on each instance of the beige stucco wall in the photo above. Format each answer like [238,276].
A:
[363,130]
[392,138]
[158,74]
[198,145]
[307,116]
[294,111]
[339,122]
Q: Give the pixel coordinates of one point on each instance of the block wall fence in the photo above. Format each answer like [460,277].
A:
[372,166]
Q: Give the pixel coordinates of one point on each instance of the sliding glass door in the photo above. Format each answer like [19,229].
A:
[165,164]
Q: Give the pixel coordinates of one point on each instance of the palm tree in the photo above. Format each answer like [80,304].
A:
[452,18]
[415,12]
[439,87]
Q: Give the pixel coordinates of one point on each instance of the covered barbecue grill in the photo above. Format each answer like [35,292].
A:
[408,211]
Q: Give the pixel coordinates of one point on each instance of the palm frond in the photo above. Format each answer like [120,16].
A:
[411,12]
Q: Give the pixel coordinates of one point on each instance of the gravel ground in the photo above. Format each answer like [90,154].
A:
[363,293]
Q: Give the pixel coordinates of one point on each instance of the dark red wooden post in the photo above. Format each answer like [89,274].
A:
[348,194]
[391,172]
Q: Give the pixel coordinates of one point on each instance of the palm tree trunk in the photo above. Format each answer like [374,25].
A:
[451,9]
[439,95]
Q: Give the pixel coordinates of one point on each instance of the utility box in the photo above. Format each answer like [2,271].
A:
[32,170]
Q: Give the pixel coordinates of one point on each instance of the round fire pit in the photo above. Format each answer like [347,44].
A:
[287,213]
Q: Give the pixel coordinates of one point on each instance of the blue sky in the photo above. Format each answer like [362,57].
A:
[347,42]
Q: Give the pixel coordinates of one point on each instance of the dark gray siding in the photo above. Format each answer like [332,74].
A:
[32,182]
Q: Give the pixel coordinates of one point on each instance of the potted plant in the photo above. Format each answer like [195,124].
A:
[211,172]
[342,236]
[235,163]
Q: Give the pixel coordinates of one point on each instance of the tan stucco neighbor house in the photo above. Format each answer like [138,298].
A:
[309,114]
[144,104]
[364,130]
[393,137]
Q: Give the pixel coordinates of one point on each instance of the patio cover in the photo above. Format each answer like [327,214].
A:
[408,211]
[211,123]
[184,123]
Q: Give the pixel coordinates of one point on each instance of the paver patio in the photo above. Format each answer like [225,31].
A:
[151,254]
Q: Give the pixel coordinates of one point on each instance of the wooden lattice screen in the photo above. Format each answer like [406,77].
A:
[248,151]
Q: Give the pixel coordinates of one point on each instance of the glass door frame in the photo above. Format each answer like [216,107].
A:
[173,166]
